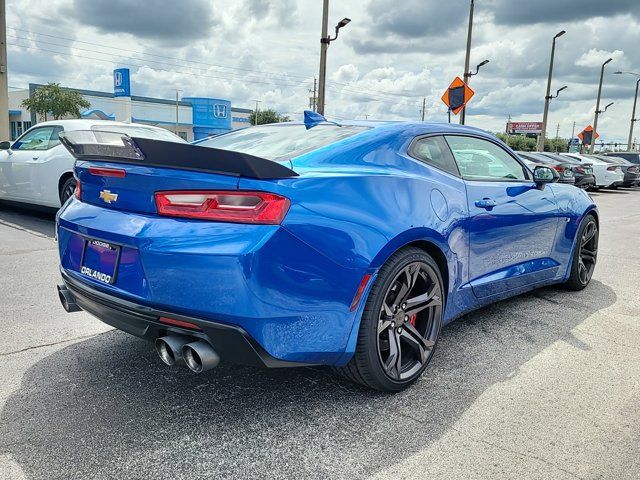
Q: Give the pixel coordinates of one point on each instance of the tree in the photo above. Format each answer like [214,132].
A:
[56,101]
[267,116]
[520,143]
[556,145]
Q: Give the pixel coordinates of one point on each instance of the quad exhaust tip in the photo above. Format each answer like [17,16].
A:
[169,349]
[200,356]
[176,350]
[67,299]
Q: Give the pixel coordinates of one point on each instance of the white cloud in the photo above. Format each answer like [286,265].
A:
[595,57]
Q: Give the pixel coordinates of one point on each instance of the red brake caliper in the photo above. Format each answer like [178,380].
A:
[412,319]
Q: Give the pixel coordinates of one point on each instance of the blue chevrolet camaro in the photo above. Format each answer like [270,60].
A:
[313,243]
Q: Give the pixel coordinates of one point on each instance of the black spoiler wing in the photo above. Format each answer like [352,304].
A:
[104,146]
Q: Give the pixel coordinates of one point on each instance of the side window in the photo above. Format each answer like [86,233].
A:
[434,151]
[55,137]
[480,159]
[36,139]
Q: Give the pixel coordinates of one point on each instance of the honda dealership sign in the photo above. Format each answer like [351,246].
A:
[121,83]
[524,127]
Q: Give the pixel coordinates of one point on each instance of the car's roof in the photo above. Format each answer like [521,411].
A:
[427,127]
[87,123]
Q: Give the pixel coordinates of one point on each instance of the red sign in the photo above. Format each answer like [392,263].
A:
[524,127]
[588,135]
[457,95]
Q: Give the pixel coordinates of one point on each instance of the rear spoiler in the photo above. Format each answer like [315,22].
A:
[104,146]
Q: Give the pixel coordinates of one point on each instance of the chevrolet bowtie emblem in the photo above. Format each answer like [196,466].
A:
[108,197]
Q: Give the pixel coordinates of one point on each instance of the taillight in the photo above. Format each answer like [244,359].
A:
[612,168]
[224,206]
[77,192]
[579,169]
[558,168]
[633,169]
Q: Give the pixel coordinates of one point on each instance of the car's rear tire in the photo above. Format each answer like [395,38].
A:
[585,254]
[67,189]
[400,323]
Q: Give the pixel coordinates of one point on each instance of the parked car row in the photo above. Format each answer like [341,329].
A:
[611,170]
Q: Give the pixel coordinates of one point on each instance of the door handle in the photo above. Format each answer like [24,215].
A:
[487,203]
[35,158]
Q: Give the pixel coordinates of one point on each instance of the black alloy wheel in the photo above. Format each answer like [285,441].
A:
[400,323]
[585,255]
[588,252]
[406,333]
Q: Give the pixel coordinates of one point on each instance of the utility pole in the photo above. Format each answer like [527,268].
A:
[548,96]
[4,83]
[595,120]
[424,106]
[467,58]
[558,132]
[257,122]
[177,110]
[314,99]
[508,125]
[633,116]
[573,131]
[324,45]
[325,40]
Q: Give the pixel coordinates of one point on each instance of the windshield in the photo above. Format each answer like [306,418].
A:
[280,141]
[139,131]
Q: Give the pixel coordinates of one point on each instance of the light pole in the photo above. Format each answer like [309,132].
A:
[325,40]
[467,56]
[5,134]
[467,80]
[633,113]
[598,112]
[548,96]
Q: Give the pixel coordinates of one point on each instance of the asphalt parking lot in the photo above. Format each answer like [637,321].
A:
[546,385]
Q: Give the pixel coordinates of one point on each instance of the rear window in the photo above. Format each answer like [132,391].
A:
[281,141]
[632,157]
[138,131]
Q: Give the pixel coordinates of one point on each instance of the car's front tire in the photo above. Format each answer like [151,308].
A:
[400,324]
[585,254]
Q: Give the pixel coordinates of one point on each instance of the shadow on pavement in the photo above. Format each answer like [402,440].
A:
[36,219]
[107,408]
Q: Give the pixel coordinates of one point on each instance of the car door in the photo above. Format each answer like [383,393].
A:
[512,223]
[24,154]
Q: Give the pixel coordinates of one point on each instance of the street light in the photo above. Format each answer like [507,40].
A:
[548,96]
[598,112]
[633,112]
[325,40]
[467,57]
[605,108]
[467,80]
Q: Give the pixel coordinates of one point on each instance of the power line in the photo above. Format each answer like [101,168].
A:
[348,87]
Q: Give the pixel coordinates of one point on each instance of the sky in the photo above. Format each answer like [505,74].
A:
[391,56]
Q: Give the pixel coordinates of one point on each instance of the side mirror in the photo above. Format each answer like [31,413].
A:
[543,175]
[6,145]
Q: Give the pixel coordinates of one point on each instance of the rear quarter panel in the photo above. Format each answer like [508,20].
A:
[360,200]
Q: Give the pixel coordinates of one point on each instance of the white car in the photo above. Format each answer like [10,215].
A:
[38,170]
[607,175]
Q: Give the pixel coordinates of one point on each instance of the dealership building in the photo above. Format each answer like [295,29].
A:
[192,118]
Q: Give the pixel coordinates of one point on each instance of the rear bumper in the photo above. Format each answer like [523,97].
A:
[585,181]
[232,343]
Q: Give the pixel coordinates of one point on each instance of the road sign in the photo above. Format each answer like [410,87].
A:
[457,95]
[524,127]
[588,135]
